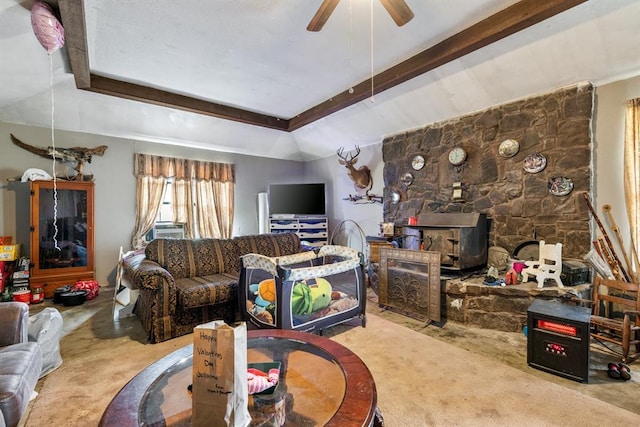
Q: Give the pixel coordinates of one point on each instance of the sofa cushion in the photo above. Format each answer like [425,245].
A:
[185,258]
[20,366]
[270,245]
[206,290]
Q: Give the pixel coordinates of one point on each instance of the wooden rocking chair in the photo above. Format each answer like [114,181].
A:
[616,315]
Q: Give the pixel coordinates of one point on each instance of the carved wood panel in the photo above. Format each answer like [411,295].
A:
[410,282]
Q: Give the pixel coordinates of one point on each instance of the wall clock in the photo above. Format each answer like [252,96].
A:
[457,156]
[417,162]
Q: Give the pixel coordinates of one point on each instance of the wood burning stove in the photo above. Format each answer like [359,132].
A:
[460,238]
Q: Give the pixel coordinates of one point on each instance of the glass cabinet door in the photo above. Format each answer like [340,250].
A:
[63,229]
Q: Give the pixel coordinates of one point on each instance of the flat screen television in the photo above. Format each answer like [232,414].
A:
[297,199]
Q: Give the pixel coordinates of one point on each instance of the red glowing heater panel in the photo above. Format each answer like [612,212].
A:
[559,328]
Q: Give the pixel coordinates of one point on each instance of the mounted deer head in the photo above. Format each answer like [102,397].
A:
[361,177]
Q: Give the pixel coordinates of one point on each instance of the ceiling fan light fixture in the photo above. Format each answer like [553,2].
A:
[322,14]
[398,9]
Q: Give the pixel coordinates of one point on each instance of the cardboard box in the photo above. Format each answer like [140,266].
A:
[10,252]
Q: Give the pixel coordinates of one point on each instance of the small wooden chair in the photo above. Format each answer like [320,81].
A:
[548,265]
[616,315]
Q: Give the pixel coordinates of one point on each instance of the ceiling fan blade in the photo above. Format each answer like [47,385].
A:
[324,12]
[399,11]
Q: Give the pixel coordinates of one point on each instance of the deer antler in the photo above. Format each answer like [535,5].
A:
[339,153]
[349,157]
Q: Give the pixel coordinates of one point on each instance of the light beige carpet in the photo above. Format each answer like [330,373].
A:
[421,380]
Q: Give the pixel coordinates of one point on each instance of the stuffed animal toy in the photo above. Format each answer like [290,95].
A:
[265,316]
[267,290]
[310,295]
[262,313]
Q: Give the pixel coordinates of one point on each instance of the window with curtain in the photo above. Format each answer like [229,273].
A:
[202,195]
[632,171]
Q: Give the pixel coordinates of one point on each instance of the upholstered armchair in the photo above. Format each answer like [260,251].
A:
[20,362]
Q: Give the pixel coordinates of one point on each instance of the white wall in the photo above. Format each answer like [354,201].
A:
[367,216]
[608,178]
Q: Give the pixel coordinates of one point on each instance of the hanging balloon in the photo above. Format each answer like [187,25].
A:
[46,27]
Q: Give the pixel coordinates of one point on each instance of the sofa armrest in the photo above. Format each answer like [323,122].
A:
[14,323]
[149,275]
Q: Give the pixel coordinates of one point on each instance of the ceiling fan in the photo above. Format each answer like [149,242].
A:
[398,9]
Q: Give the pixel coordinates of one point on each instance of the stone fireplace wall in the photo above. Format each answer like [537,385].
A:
[518,203]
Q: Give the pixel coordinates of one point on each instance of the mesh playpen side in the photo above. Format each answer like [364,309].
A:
[308,291]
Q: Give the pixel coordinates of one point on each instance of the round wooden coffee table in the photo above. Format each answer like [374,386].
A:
[322,383]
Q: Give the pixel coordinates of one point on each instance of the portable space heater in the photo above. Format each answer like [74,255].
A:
[558,339]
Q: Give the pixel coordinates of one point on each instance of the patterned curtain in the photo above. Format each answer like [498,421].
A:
[202,194]
[183,206]
[632,171]
[216,199]
[149,191]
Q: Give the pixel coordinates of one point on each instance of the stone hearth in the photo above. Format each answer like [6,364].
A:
[504,308]
[468,301]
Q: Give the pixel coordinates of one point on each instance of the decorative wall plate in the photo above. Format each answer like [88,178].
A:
[407,178]
[509,148]
[534,163]
[560,186]
[395,197]
[417,162]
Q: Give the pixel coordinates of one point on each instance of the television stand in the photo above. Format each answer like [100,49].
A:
[311,229]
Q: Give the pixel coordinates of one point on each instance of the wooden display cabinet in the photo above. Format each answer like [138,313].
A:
[58,236]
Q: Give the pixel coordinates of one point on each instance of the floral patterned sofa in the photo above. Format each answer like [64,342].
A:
[186,282]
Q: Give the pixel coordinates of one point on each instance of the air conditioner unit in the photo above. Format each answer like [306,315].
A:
[168,231]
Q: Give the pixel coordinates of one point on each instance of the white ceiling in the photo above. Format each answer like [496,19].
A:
[257,55]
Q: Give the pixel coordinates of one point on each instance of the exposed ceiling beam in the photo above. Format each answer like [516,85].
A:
[163,98]
[73,20]
[509,21]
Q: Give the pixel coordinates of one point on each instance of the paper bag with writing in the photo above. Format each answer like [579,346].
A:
[220,389]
